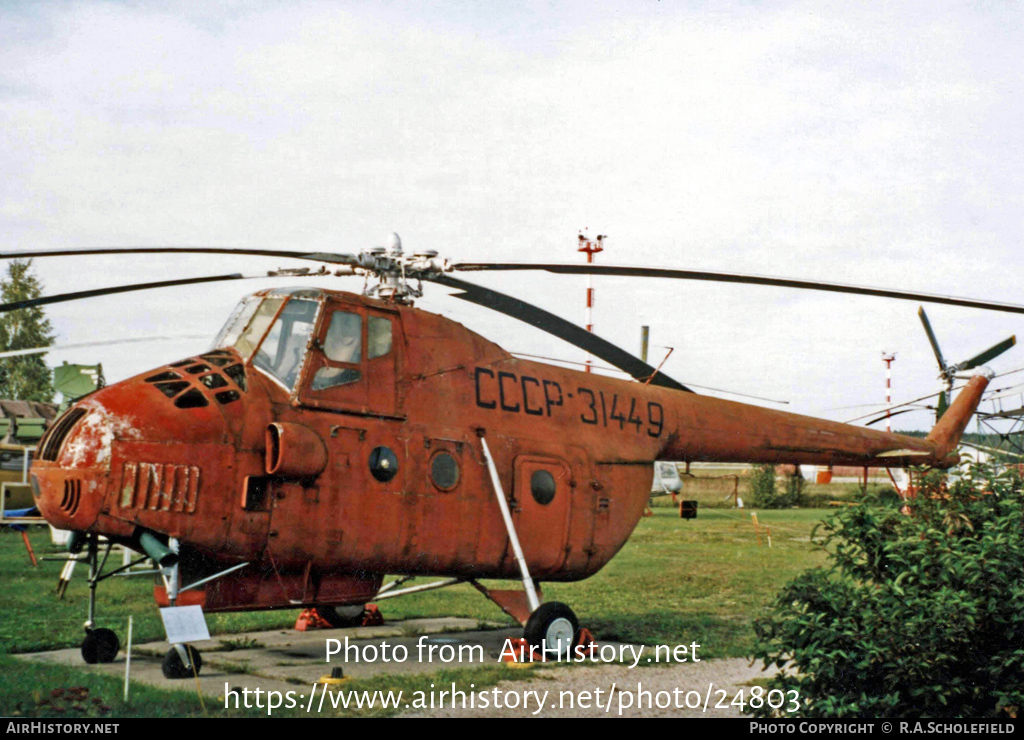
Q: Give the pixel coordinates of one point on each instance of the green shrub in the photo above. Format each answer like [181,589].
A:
[918,615]
[762,487]
[764,493]
[795,489]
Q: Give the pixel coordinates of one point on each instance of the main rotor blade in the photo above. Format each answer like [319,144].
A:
[991,353]
[726,277]
[343,259]
[559,327]
[106,342]
[63,297]
[931,337]
[883,417]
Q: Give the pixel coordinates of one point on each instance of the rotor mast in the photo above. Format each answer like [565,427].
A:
[394,270]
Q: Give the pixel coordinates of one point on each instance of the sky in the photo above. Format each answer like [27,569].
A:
[873,144]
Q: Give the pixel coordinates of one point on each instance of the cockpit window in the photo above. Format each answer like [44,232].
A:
[284,348]
[254,323]
[237,322]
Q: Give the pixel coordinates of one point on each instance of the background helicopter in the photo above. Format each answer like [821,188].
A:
[337,465]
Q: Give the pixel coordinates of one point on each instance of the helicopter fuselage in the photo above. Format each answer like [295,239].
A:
[331,438]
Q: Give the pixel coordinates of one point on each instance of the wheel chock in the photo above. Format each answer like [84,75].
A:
[372,616]
[310,620]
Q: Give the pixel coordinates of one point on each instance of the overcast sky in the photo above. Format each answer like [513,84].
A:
[874,145]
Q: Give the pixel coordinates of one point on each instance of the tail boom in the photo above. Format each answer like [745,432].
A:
[713,430]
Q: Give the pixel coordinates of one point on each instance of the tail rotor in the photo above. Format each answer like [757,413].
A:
[948,372]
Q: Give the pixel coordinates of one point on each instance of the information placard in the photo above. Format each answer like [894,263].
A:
[184,624]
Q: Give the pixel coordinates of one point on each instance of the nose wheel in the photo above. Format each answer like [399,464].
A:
[182,661]
[100,646]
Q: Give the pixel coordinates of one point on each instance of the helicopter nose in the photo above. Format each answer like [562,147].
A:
[136,453]
[72,467]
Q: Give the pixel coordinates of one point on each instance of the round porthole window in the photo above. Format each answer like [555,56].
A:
[444,471]
[542,486]
[383,464]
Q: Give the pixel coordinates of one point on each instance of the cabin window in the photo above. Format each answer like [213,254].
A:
[444,471]
[284,348]
[343,343]
[378,337]
[542,486]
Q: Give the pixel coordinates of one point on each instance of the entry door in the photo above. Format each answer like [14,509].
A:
[543,497]
[352,364]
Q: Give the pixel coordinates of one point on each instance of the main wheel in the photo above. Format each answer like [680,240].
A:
[552,628]
[100,646]
[342,616]
[173,667]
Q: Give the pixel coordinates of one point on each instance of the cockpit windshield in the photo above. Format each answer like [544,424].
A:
[237,322]
[282,351]
[284,348]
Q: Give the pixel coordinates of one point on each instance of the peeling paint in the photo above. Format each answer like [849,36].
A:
[92,438]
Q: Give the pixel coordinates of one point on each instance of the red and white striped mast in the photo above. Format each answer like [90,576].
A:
[887,358]
[591,248]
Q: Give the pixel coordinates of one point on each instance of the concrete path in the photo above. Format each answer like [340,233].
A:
[290,661]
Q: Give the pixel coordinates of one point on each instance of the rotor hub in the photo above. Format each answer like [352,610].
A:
[395,271]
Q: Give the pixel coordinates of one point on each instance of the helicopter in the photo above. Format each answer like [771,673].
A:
[328,438]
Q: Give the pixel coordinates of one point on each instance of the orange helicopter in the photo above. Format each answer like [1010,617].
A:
[327,439]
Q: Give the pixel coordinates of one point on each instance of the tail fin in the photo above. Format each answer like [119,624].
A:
[947,432]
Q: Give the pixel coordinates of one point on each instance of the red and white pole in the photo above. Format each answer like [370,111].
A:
[590,248]
[888,360]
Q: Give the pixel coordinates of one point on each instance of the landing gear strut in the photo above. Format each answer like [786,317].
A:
[99,645]
[551,628]
[181,661]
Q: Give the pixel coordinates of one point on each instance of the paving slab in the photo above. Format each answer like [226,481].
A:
[281,660]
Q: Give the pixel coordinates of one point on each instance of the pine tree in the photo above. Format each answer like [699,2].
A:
[24,378]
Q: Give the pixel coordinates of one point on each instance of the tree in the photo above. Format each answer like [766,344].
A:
[920,615]
[26,377]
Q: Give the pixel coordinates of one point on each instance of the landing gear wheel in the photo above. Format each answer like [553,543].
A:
[553,628]
[100,646]
[342,616]
[173,667]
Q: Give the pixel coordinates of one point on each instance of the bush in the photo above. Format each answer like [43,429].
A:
[919,614]
[763,489]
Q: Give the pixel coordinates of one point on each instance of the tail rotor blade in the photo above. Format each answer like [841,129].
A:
[931,337]
[989,354]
